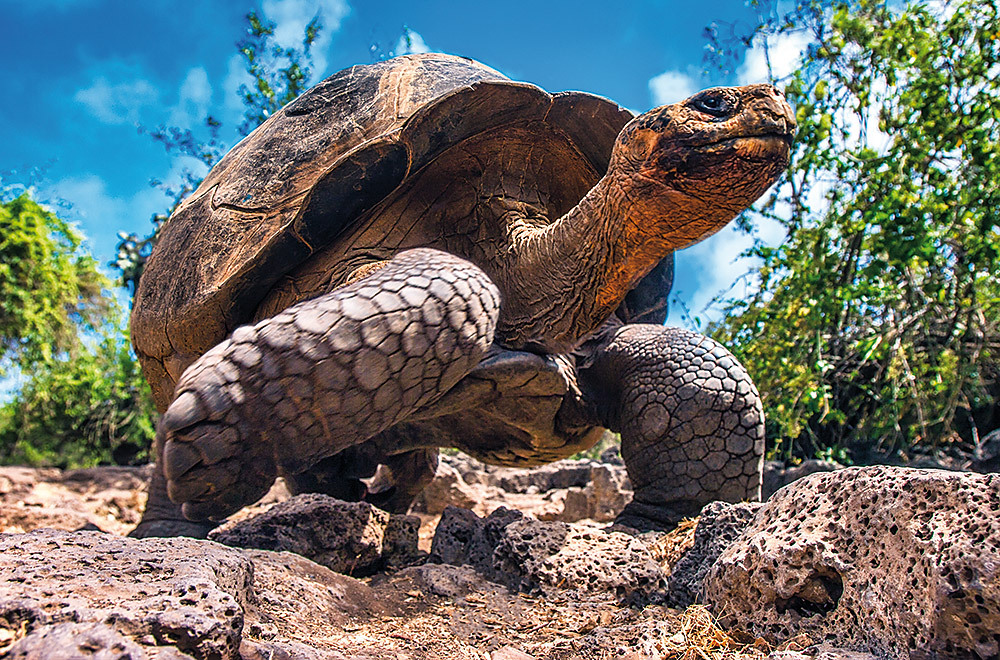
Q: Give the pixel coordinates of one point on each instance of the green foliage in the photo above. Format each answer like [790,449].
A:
[875,327]
[278,75]
[93,409]
[81,404]
[49,287]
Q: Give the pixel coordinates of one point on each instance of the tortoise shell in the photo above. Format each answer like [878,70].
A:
[303,183]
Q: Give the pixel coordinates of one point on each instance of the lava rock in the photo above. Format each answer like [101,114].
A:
[89,594]
[352,538]
[531,555]
[896,562]
[94,641]
[181,593]
[719,525]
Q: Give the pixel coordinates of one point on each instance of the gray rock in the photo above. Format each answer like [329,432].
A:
[453,536]
[400,541]
[568,490]
[481,551]
[353,538]
[612,456]
[895,562]
[462,537]
[554,555]
[719,525]
[77,640]
[87,594]
[170,592]
[532,555]
[561,474]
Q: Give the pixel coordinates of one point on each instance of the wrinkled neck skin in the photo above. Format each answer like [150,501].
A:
[569,276]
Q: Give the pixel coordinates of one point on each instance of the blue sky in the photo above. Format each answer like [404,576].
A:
[81,75]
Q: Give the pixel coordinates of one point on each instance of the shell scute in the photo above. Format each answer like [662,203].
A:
[306,176]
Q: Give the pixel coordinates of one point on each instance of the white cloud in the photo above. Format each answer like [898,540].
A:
[117,103]
[97,211]
[714,267]
[671,87]
[410,42]
[784,51]
[292,16]
[193,99]
[100,214]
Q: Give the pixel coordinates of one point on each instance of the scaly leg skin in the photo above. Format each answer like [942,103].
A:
[322,376]
[690,418]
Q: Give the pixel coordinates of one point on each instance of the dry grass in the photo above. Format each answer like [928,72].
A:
[700,638]
[668,549]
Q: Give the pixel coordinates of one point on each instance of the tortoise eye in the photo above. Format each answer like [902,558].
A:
[713,104]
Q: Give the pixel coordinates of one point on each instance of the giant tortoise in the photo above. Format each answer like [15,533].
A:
[421,253]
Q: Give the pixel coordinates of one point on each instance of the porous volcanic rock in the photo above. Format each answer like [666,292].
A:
[353,538]
[532,555]
[77,640]
[718,526]
[196,604]
[89,594]
[897,562]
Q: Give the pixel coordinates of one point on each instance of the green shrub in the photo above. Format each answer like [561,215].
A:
[88,410]
[876,326]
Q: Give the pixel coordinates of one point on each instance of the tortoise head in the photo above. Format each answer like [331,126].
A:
[696,164]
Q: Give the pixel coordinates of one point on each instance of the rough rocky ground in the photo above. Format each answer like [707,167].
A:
[111,499]
[195,594]
[529,568]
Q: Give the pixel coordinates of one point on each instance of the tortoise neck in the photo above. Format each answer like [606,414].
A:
[571,275]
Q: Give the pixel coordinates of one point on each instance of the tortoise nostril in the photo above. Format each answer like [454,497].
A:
[775,93]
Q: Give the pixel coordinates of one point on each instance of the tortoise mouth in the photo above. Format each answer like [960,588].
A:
[784,138]
[760,147]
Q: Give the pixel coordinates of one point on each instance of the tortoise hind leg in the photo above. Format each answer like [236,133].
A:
[399,477]
[690,418]
[322,376]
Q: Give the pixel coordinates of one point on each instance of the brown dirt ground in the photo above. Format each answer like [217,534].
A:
[483,622]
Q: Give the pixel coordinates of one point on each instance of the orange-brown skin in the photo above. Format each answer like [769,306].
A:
[677,175]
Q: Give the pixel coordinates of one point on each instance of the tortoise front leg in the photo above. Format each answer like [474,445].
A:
[323,375]
[162,517]
[690,418]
